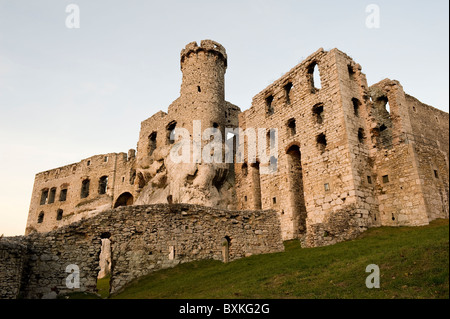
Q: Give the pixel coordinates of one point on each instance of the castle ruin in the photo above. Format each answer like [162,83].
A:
[348,157]
[348,154]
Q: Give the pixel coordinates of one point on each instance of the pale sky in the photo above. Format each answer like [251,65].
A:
[68,94]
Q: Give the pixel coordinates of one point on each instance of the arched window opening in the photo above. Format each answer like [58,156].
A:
[170,132]
[314,77]
[125,199]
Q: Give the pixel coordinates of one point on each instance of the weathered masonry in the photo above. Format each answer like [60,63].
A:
[350,156]
[143,239]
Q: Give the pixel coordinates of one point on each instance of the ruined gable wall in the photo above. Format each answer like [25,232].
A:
[430,128]
[71,177]
[143,239]
[398,185]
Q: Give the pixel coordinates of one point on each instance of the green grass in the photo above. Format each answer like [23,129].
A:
[413,261]
[103,286]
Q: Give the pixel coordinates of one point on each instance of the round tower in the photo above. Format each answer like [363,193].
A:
[203,84]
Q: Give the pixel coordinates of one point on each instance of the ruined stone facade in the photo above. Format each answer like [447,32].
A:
[348,156]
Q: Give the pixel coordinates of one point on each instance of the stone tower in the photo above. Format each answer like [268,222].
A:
[201,106]
[203,85]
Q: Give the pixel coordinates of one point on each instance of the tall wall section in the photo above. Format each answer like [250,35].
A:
[313,186]
[410,152]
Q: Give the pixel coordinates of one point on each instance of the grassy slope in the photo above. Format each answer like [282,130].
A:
[414,263]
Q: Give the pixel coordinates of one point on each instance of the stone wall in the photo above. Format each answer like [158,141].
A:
[314,175]
[12,257]
[143,239]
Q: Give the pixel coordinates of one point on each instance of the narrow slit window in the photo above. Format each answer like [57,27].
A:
[292,129]
[321,142]
[152,143]
[361,136]
[63,195]
[356,106]
[52,195]
[287,92]
[436,174]
[318,113]
[59,214]
[269,105]
[40,218]
[85,188]
[44,196]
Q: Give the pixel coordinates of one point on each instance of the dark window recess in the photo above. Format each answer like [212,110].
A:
[383,128]
[199,89]
[385,179]
[245,198]
[351,72]
[59,214]
[51,197]
[321,142]
[88,163]
[269,105]
[85,188]
[270,139]
[63,195]
[170,132]
[44,196]
[40,217]
[292,129]
[152,143]
[361,135]
[436,174]
[356,106]
[132,176]
[318,113]
[244,169]
[274,200]
[215,125]
[369,179]
[103,185]
[287,92]
[326,187]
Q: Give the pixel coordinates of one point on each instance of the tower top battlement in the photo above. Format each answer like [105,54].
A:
[205,45]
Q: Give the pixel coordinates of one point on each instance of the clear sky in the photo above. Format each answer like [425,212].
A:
[67,94]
